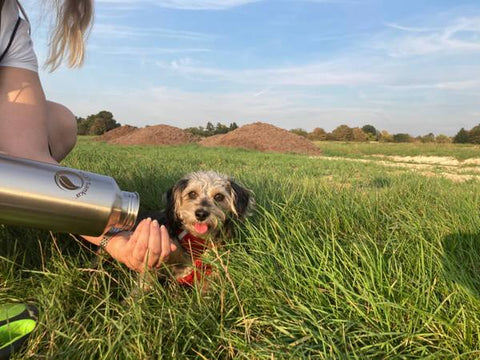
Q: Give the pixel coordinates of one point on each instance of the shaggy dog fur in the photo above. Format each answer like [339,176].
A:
[201,209]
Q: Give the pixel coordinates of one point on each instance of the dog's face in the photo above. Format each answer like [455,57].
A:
[204,203]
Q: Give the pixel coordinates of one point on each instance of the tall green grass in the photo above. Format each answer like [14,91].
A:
[341,260]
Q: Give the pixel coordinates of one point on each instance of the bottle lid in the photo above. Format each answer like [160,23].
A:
[130,207]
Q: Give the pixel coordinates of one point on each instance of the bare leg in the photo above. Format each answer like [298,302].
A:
[28,123]
[23,115]
[62,130]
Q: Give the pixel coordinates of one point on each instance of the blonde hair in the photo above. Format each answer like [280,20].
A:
[73,22]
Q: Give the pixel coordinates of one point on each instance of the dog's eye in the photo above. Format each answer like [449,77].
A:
[192,195]
[219,197]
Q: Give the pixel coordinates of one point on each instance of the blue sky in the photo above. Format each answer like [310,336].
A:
[404,66]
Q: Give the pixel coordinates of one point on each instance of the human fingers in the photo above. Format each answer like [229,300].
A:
[165,244]
[141,246]
[154,245]
[127,250]
[130,247]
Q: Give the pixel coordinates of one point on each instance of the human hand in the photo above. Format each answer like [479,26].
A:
[148,247]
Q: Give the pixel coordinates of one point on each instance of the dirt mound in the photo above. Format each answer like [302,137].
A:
[155,135]
[264,137]
[117,132]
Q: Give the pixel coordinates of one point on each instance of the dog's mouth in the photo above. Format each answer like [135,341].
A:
[201,228]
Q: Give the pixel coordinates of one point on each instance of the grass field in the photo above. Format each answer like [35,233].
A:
[343,259]
[351,149]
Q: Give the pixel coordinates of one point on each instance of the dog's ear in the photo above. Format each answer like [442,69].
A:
[244,201]
[172,198]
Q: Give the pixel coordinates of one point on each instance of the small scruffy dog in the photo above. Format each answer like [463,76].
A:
[201,209]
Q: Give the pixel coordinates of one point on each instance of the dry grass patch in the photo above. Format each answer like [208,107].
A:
[443,166]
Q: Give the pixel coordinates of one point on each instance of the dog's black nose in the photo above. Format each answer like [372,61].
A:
[201,214]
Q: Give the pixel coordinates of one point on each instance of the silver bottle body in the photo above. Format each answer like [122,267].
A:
[52,197]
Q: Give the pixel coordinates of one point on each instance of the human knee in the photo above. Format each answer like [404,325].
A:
[63,119]
[70,125]
[62,127]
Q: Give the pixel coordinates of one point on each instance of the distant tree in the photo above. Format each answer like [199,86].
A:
[97,127]
[221,129]
[299,131]
[210,129]
[96,124]
[370,131]
[318,134]
[462,137]
[385,136]
[233,126]
[474,135]
[402,138]
[198,131]
[429,138]
[83,126]
[342,133]
[102,122]
[359,135]
[443,139]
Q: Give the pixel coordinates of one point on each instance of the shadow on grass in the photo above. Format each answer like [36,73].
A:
[461,261]
[31,249]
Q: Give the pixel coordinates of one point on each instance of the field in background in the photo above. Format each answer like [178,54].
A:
[362,149]
[455,162]
[346,257]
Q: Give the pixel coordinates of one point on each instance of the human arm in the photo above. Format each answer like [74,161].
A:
[27,128]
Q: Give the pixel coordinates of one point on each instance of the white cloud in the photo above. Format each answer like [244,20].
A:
[351,2]
[460,36]
[447,85]
[307,75]
[187,4]
[203,4]
[112,31]
[459,85]
[407,28]
[144,52]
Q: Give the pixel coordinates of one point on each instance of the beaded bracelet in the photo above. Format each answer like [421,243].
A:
[108,236]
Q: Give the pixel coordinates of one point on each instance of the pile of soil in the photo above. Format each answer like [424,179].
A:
[155,135]
[264,137]
[117,132]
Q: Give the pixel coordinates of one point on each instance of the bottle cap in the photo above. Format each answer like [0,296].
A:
[129,212]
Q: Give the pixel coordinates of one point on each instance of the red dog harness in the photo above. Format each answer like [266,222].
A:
[194,247]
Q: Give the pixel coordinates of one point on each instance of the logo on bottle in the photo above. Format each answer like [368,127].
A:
[68,180]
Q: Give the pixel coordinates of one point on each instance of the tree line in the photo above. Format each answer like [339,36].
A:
[103,121]
[211,129]
[370,133]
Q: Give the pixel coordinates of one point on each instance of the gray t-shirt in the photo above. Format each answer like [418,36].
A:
[21,53]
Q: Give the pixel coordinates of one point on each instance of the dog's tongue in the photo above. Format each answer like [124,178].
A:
[201,228]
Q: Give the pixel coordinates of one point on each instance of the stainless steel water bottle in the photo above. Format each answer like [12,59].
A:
[52,197]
